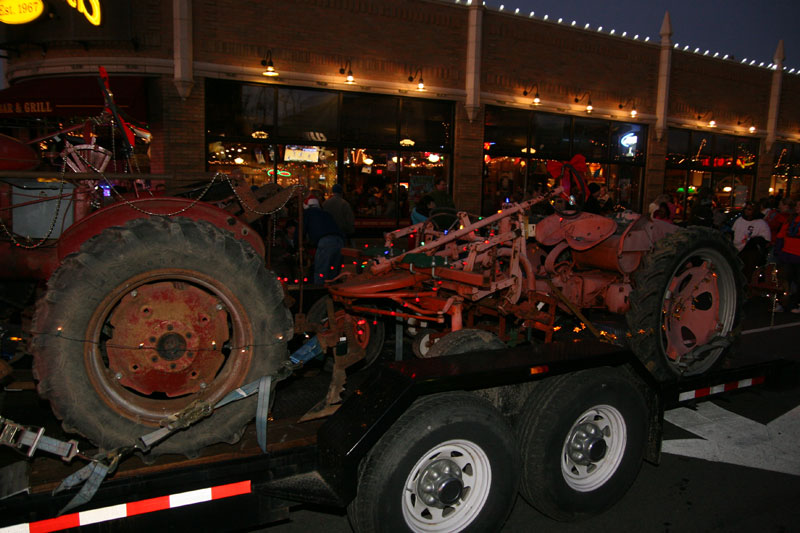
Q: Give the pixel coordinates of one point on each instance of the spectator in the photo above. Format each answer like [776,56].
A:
[440,195]
[325,236]
[787,255]
[341,211]
[751,236]
[702,213]
[592,204]
[662,213]
[422,210]
[777,217]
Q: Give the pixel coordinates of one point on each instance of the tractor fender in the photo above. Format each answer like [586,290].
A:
[120,213]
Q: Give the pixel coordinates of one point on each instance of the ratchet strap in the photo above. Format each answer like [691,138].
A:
[92,475]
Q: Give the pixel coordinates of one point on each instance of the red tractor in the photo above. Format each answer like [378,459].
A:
[678,289]
[152,302]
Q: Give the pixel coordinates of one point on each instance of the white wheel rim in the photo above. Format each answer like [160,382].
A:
[589,475]
[476,478]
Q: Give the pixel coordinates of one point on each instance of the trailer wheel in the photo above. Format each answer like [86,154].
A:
[371,333]
[582,438]
[686,303]
[147,318]
[465,340]
[449,463]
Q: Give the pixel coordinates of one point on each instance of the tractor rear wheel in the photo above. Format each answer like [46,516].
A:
[148,317]
[686,303]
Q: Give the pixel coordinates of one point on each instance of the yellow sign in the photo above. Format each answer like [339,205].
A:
[20,11]
[92,12]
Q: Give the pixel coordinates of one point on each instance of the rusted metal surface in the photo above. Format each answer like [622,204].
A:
[168,338]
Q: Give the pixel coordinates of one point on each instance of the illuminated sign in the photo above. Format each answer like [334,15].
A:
[18,108]
[20,11]
[92,12]
[629,141]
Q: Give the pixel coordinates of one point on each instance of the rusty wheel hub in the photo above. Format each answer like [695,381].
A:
[167,338]
[691,310]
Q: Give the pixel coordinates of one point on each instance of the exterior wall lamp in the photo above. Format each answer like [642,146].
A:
[633,106]
[350,80]
[269,68]
[745,121]
[536,99]
[710,117]
[588,95]
[417,76]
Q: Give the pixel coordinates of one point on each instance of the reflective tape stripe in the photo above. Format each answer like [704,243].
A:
[125,510]
[716,389]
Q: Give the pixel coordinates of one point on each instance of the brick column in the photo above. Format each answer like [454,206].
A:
[178,128]
[655,167]
[468,160]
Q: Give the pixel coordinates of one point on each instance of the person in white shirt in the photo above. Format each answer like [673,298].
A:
[748,227]
[751,236]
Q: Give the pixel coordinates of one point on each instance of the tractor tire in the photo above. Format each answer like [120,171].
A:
[373,330]
[464,341]
[148,317]
[582,438]
[449,463]
[686,303]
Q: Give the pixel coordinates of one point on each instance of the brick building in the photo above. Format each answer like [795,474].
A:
[663,119]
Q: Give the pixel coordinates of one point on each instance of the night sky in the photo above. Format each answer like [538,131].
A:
[742,28]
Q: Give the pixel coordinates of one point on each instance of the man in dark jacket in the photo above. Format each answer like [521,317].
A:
[324,234]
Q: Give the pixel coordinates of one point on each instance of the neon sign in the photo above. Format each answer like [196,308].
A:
[20,11]
[92,13]
[629,141]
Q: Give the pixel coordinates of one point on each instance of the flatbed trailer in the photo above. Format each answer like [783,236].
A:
[322,462]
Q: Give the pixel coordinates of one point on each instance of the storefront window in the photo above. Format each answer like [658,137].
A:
[506,131]
[614,153]
[419,171]
[551,136]
[369,117]
[313,167]
[240,110]
[385,151]
[724,165]
[785,179]
[308,115]
[426,123]
[628,142]
[591,138]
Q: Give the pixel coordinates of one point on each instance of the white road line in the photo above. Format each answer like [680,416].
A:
[730,438]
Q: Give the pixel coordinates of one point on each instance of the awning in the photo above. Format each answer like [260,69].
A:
[73,96]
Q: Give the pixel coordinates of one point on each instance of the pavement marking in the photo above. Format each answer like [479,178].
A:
[770,328]
[734,439]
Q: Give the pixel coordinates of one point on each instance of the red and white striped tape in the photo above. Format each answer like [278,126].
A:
[125,510]
[716,389]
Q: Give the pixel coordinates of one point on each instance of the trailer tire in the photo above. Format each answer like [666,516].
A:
[681,318]
[465,340]
[582,438]
[449,463]
[375,329]
[206,317]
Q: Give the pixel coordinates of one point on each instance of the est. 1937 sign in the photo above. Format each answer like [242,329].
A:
[20,11]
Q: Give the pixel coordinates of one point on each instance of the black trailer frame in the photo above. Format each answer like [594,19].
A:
[317,462]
